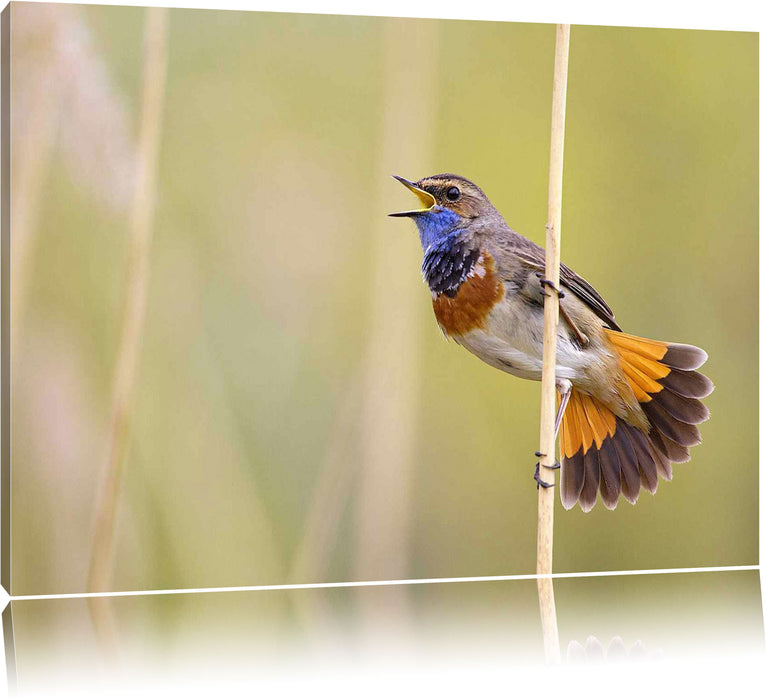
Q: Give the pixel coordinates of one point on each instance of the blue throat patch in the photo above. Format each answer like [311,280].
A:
[435,224]
[447,260]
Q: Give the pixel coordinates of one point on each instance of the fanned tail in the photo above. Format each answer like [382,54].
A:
[603,452]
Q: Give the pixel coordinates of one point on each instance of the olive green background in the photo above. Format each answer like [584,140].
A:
[270,206]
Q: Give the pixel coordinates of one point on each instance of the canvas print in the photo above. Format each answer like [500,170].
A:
[229,366]
[299,376]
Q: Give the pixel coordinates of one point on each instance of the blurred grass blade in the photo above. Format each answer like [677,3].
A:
[392,377]
[62,99]
[333,490]
[154,70]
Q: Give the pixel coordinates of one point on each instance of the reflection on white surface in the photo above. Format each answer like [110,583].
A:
[593,651]
[457,630]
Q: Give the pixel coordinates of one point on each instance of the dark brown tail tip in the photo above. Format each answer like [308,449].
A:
[589,493]
[572,477]
[686,357]
[691,385]
[681,408]
[685,434]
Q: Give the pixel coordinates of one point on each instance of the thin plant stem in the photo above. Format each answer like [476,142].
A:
[28,183]
[332,494]
[551,308]
[392,365]
[141,229]
[332,490]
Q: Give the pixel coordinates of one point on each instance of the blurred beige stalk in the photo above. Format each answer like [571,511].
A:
[154,70]
[396,304]
[332,490]
[61,97]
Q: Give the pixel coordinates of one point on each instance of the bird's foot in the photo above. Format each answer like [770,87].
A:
[539,481]
[544,282]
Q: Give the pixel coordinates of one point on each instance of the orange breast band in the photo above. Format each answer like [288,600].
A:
[470,307]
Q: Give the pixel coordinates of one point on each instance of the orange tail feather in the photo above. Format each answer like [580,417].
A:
[603,453]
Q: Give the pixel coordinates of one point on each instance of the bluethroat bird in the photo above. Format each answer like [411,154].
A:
[628,406]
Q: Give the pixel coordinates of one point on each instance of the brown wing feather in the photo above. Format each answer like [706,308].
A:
[533,256]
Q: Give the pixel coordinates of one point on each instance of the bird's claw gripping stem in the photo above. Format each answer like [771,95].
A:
[544,282]
[582,339]
[539,481]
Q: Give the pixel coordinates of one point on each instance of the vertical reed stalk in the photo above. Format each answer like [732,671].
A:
[141,228]
[392,367]
[333,489]
[31,160]
[551,310]
[331,493]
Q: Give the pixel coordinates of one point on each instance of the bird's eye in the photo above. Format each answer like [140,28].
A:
[453,193]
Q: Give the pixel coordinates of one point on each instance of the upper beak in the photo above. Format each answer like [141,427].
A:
[426,199]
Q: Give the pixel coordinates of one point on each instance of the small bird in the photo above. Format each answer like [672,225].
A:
[628,406]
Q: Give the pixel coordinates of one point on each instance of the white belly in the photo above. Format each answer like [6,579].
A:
[513,344]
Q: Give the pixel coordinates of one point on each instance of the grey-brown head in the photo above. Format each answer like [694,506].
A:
[447,191]
[449,203]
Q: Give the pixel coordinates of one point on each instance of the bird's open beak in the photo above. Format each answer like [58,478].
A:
[427,200]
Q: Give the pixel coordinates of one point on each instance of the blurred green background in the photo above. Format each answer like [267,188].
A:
[297,414]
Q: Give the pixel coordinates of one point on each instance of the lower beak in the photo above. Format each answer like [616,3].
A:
[426,199]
